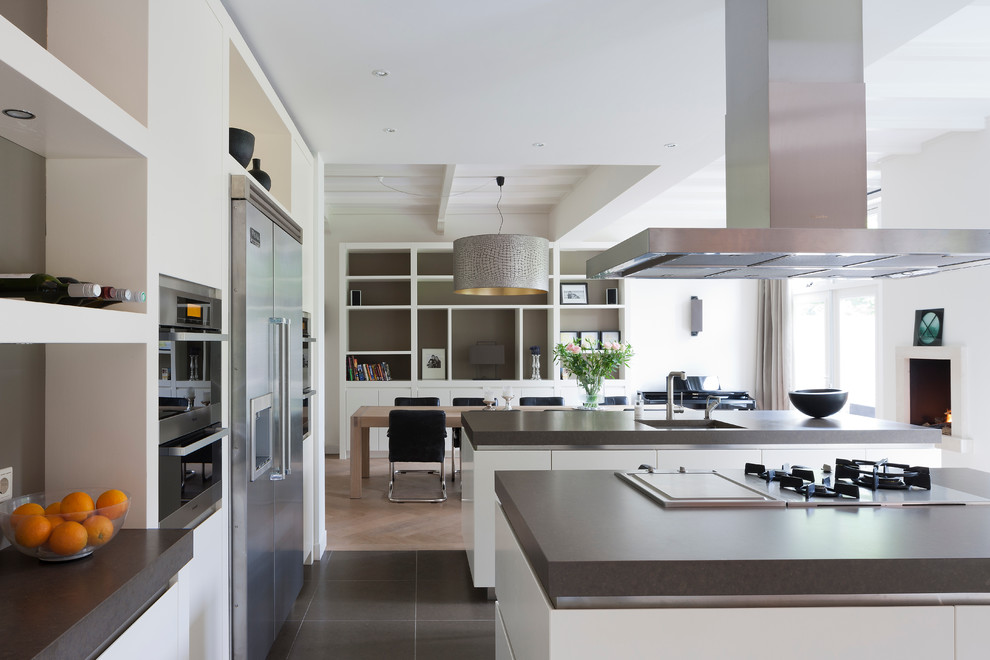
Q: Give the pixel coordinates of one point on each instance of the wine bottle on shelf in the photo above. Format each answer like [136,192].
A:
[118,296]
[72,300]
[110,295]
[41,287]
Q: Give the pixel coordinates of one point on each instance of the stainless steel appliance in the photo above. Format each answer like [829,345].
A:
[693,392]
[266,417]
[856,483]
[795,166]
[308,391]
[189,402]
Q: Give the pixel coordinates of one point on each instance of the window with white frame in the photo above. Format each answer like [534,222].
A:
[834,340]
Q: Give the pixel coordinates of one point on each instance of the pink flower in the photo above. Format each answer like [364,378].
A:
[572,348]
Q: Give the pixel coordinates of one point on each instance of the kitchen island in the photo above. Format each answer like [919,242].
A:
[76,609]
[581,440]
[589,567]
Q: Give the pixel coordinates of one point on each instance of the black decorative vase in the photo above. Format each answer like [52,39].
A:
[260,175]
[241,145]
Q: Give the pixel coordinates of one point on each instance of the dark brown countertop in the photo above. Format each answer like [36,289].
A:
[70,609]
[559,429]
[592,540]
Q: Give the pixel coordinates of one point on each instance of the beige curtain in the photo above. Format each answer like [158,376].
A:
[773,345]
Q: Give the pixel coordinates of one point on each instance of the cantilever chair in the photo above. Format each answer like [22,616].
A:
[541,401]
[417,401]
[616,401]
[416,436]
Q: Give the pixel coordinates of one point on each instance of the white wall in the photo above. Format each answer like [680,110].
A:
[659,328]
[943,186]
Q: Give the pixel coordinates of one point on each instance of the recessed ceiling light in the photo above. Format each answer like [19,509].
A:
[380,73]
[538,144]
[18,114]
[388,130]
[670,145]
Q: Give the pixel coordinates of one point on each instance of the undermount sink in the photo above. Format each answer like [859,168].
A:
[688,424]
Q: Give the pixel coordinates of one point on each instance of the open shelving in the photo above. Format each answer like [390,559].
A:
[83,71]
[408,305]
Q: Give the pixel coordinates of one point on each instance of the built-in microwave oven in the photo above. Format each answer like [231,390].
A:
[190,381]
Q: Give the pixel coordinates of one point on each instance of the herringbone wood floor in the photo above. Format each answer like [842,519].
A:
[374,523]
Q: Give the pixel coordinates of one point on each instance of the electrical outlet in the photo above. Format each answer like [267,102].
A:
[6,483]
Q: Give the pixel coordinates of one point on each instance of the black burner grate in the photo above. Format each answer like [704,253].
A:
[881,475]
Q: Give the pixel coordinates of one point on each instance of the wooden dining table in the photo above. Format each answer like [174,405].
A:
[366,418]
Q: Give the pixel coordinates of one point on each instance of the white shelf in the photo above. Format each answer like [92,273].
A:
[378,383]
[473,307]
[378,352]
[564,308]
[45,323]
[435,278]
[74,120]
[378,307]
[379,278]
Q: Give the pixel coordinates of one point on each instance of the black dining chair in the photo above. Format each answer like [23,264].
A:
[541,401]
[417,401]
[455,435]
[416,436]
[616,401]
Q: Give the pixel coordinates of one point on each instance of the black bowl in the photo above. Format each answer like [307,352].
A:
[241,145]
[819,403]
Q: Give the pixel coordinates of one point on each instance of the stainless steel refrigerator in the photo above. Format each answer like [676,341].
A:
[266,418]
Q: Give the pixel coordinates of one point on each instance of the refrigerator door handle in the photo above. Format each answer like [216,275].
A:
[280,327]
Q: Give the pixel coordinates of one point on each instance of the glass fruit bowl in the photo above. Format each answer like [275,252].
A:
[64,525]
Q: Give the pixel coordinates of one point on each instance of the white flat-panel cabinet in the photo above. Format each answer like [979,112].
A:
[154,634]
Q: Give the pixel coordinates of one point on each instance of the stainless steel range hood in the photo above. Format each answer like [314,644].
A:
[784,252]
[795,165]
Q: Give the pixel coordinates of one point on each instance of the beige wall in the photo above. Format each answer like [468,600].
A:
[22,367]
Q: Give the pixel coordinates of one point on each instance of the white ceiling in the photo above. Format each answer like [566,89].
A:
[605,86]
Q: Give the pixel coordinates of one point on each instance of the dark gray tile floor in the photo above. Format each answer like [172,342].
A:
[401,605]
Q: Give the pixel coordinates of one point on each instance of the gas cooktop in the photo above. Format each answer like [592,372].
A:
[851,483]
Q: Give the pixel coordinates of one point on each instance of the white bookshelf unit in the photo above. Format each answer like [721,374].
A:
[408,304]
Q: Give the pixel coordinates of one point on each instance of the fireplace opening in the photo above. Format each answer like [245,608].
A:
[931,394]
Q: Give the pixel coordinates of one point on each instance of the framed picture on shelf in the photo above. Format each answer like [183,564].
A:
[591,335]
[575,293]
[568,336]
[611,335]
[434,364]
[928,325]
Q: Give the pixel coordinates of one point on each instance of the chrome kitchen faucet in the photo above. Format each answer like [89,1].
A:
[670,393]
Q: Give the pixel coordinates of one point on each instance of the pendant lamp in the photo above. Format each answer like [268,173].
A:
[501,264]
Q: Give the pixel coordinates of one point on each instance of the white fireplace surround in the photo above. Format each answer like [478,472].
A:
[956,356]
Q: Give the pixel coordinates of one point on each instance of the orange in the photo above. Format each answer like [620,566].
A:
[76,506]
[112,504]
[68,538]
[54,519]
[54,507]
[99,529]
[25,510]
[33,531]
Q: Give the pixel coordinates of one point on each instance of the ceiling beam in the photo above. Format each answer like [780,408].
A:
[446,185]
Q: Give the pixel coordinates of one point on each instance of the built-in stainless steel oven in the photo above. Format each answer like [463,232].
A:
[190,433]
[307,353]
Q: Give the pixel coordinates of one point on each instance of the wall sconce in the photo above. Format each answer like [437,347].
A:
[696,314]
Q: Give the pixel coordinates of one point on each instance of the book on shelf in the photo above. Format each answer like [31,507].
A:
[379,371]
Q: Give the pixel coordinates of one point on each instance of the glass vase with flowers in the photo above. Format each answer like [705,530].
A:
[592,362]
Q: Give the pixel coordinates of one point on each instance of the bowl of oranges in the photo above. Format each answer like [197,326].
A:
[64,525]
